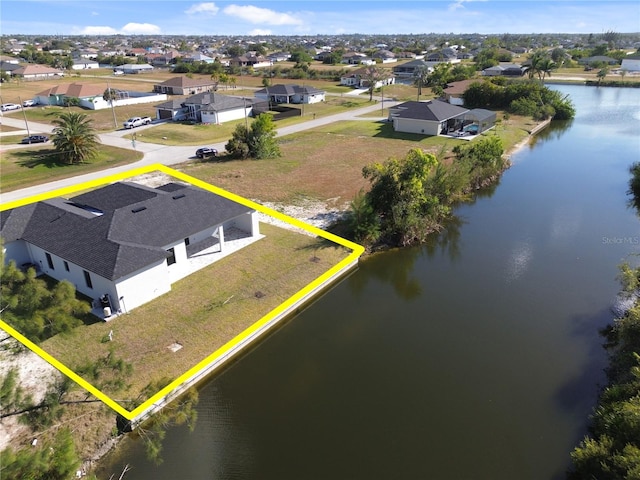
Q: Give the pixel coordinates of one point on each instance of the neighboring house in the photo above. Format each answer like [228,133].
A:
[163,59]
[357,79]
[9,67]
[290,94]
[250,61]
[597,59]
[171,110]
[408,70]
[631,63]
[197,57]
[135,68]
[439,118]
[91,96]
[84,64]
[505,69]
[124,243]
[8,59]
[455,91]
[446,55]
[184,85]
[211,108]
[353,58]
[279,56]
[37,72]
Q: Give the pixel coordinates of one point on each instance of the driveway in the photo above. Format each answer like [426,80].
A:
[154,153]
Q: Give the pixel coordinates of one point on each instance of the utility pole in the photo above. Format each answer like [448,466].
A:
[25,119]
[115,121]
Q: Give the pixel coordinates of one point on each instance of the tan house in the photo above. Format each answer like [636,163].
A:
[184,85]
[37,72]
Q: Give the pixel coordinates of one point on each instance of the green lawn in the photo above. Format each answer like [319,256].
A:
[34,165]
[201,312]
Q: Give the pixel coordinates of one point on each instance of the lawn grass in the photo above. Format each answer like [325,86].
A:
[203,312]
[34,165]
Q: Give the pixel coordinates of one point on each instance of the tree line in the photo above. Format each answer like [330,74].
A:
[611,451]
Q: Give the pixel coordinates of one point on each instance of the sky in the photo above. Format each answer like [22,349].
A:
[304,17]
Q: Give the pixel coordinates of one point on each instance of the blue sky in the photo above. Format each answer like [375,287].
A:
[302,17]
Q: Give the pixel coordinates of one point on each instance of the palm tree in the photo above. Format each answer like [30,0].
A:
[545,66]
[420,78]
[602,74]
[74,137]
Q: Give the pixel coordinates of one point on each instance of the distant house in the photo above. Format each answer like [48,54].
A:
[84,64]
[357,79]
[124,244]
[598,59]
[91,96]
[439,118]
[446,55]
[9,67]
[37,72]
[353,58]
[290,94]
[385,56]
[631,63]
[250,61]
[197,57]
[208,107]
[279,56]
[135,68]
[409,69]
[505,69]
[184,85]
[454,91]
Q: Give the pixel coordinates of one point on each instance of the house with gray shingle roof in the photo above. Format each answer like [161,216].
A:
[125,243]
[290,94]
[184,85]
[436,117]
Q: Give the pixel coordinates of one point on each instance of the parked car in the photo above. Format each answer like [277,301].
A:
[9,106]
[35,139]
[205,152]
[118,72]
[28,103]
[136,122]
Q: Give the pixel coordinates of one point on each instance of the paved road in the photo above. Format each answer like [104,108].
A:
[154,153]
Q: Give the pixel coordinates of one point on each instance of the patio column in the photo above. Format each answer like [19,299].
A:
[221,237]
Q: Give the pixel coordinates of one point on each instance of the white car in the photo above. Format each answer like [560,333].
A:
[28,103]
[9,106]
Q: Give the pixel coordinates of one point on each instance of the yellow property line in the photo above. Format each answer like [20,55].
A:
[356,251]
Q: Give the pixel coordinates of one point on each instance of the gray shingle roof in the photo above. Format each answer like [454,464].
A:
[288,89]
[433,110]
[125,228]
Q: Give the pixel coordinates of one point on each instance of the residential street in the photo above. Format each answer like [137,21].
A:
[154,153]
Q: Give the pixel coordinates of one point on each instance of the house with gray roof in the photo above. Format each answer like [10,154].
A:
[184,85]
[290,94]
[124,244]
[436,117]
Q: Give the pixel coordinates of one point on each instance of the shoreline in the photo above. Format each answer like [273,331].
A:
[318,214]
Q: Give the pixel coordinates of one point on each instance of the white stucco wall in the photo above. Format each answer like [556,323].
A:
[143,286]
[421,127]
[247,222]
[98,103]
[16,251]
[226,116]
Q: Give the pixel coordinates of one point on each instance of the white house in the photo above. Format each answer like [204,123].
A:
[631,63]
[84,64]
[290,94]
[123,244]
[358,79]
[91,96]
[133,68]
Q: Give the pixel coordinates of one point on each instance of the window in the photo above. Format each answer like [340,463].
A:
[66,265]
[171,259]
[49,260]
[187,242]
[87,279]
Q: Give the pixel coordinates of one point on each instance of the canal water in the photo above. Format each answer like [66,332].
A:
[476,356]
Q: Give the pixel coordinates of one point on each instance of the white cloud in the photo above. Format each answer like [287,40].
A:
[94,14]
[458,4]
[97,30]
[260,31]
[259,15]
[140,29]
[208,8]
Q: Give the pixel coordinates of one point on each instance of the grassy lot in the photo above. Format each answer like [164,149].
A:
[201,312]
[37,164]
[326,163]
